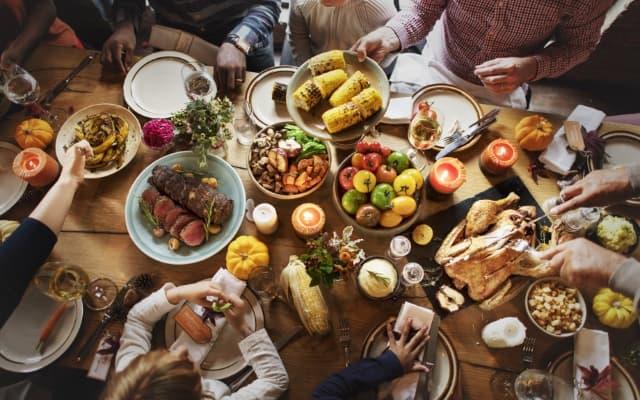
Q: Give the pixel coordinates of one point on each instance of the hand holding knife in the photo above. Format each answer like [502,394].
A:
[473,130]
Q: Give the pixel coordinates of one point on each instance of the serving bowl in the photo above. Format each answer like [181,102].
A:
[285,196]
[592,234]
[580,298]
[396,288]
[378,231]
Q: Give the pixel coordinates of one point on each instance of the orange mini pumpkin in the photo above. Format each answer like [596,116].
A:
[534,133]
[34,132]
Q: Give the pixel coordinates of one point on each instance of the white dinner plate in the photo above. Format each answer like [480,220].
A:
[258,102]
[224,358]
[154,87]
[66,135]
[11,187]
[20,334]
[562,367]
[445,372]
[452,105]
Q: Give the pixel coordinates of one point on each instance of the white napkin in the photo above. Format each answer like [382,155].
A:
[591,348]
[399,111]
[408,74]
[229,284]
[558,157]
[420,317]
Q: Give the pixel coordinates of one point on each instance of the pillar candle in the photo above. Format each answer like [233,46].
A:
[498,157]
[36,167]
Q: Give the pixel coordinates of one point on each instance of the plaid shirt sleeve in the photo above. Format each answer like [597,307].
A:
[575,39]
[413,25]
[256,27]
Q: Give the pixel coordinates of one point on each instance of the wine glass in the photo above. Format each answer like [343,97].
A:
[21,88]
[412,274]
[534,384]
[198,82]
[262,280]
[399,247]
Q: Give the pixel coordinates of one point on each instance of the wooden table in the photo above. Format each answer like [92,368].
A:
[94,237]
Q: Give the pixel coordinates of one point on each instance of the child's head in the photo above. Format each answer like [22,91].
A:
[332,3]
[158,375]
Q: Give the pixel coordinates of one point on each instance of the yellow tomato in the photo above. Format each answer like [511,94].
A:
[390,219]
[404,185]
[404,205]
[416,175]
[422,234]
[364,181]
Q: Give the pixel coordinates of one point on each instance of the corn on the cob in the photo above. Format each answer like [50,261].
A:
[369,102]
[307,300]
[327,61]
[342,117]
[354,85]
[307,96]
[279,93]
[330,81]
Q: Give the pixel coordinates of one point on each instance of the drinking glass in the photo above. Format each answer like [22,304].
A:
[100,294]
[502,385]
[399,247]
[534,384]
[198,82]
[412,274]
[244,131]
[262,280]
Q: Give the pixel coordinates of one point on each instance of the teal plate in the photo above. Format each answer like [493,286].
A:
[229,183]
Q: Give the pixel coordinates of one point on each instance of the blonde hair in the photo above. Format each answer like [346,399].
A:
[158,375]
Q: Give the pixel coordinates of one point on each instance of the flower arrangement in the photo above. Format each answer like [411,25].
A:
[204,124]
[157,133]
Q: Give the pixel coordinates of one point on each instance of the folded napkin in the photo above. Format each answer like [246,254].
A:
[558,157]
[399,111]
[408,74]
[591,360]
[420,316]
[229,284]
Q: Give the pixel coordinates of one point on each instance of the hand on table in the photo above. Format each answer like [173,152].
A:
[504,75]
[407,350]
[117,51]
[583,263]
[231,67]
[76,156]
[600,188]
[377,44]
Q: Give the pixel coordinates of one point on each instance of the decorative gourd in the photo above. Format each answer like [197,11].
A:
[614,309]
[34,132]
[7,227]
[534,133]
[244,254]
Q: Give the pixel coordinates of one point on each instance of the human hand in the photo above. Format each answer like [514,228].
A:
[196,293]
[582,262]
[122,40]
[231,67]
[600,188]
[407,350]
[235,315]
[76,156]
[504,75]
[377,44]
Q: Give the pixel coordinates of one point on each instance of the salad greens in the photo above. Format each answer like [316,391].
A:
[310,145]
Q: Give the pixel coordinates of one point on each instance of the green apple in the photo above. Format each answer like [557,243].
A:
[398,161]
[382,195]
[352,200]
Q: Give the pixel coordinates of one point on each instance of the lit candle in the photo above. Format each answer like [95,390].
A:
[36,167]
[308,220]
[446,175]
[498,157]
[265,217]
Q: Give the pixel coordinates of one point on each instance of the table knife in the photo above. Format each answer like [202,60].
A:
[245,374]
[469,133]
[428,358]
[60,86]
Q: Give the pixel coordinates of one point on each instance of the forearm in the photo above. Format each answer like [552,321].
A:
[413,25]
[364,375]
[40,16]
[256,27]
[55,205]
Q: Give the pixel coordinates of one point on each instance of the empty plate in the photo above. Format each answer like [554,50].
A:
[11,187]
[258,102]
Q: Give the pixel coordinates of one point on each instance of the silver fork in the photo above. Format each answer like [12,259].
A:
[344,337]
[528,347]
[482,123]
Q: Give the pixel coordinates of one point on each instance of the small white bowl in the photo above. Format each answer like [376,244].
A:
[583,306]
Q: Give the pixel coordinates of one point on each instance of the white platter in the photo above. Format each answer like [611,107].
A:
[20,334]
[11,187]
[224,358]
[258,102]
[66,135]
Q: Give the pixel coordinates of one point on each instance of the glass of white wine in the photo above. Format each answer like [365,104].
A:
[62,281]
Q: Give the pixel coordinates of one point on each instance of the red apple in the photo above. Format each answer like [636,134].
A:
[345,178]
[362,147]
[357,160]
[372,161]
[386,174]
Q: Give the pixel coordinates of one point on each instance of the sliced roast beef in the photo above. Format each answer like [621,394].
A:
[161,207]
[172,217]
[150,195]
[193,233]
[180,223]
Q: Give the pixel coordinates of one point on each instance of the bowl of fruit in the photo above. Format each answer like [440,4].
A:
[286,163]
[378,190]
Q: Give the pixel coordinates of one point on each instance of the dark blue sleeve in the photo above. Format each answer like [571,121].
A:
[364,375]
[20,257]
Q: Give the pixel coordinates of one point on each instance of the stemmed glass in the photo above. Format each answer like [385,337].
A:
[262,280]
[399,247]
[198,82]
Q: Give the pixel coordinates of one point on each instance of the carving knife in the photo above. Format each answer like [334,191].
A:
[60,86]
[428,358]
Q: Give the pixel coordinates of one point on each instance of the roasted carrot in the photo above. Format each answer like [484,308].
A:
[50,325]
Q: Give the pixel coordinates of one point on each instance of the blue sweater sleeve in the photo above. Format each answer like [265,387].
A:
[364,375]
[20,257]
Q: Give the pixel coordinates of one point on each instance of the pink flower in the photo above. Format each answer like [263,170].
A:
[157,133]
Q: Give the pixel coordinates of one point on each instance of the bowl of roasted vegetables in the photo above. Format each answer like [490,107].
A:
[335,97]
[286,163]
[378,190]
[113,132]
